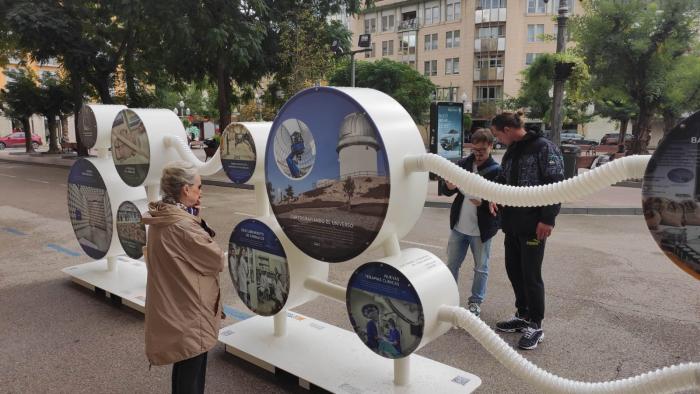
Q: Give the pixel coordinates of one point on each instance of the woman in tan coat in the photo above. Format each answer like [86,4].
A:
[182,291]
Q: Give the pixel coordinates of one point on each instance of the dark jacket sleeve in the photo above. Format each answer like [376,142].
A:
[442,185]
[551,169]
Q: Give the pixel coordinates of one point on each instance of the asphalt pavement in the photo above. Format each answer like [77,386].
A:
[616,306]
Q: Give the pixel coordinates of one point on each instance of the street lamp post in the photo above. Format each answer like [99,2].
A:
[181,104]
[559,79]
[365,46]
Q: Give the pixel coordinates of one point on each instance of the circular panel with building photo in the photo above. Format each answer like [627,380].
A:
[130,148]
[258,267]
[89,209]
[238,155]
[385,310]
[334,210]
[671,195]
[87,126]
[130,230]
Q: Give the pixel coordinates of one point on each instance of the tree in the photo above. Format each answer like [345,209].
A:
[289,194]
[54,102]
[349,189]
[683,93]
[400,81]
[634,46]
[538,80]
[19,98]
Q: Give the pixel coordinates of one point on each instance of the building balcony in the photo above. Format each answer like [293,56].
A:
[408,24]
[490,15]
[488,74]
[490,44]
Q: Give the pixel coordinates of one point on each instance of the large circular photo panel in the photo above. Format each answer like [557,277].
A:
[130,148]
[385,310]
[238,154]
[87,126]
[130,230]
[671,195]
[258,267]
[89,209]
[327,175]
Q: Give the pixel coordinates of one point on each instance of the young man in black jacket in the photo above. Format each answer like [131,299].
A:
[530,160]
[472,223]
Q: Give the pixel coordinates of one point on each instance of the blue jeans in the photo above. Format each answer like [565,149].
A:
[457,247]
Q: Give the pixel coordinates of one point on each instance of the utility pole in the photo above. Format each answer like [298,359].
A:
[559,76]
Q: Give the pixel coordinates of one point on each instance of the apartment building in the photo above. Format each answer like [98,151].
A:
[37,123]
[473,50]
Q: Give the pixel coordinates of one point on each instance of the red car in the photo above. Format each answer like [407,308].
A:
[16,140]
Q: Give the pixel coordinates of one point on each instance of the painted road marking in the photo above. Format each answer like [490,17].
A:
[235,313]
[244,214]
[13,231]
[63,250]
[9,176]
[36,180]
[424,245]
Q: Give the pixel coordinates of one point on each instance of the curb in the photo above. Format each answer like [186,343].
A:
[428,204]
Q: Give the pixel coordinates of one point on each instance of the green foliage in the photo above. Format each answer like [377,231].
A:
[400,81]
[20,97]
[467,122]
[538,79]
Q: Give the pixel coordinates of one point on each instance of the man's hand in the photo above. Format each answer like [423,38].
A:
[543,231]
[493,208]
[450,185]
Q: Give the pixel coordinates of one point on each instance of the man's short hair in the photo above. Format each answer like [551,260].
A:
[482,135]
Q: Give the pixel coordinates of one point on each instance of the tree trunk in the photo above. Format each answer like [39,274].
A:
[621,137]
[77,90]
[102,87]
[223,101]
[53,135]
[65,133]
[670,120]
[641,131]
[27,136]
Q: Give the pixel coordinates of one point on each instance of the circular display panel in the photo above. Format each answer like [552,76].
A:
[385,310]
[238,155]
[330,202]
[130,230]
[671,193]
[89,209]
[87,126]
[258,267]
[130,148]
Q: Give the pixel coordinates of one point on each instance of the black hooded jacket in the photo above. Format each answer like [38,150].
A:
[532,161]
[488,224]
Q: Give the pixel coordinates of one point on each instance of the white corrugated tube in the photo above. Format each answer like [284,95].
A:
[183,149]
[668,379]
[630,167]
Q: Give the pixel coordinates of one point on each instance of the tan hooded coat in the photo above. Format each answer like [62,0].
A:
[182,291]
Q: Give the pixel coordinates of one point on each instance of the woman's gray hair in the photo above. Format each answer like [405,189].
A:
[175,176]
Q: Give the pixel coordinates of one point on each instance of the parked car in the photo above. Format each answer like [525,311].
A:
[16,139]
[580,142]
[565,136]
[611,138]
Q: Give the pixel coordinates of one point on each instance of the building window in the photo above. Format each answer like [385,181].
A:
[486,93]
[387,48]
[452,39]
[431,42]
[430,68]
[490,4]
[371,52]
[530,58]
[388,23]
[535,7]
[491,32]
[370,25]
[454,10]
[535,33]
[432,15]
[407,43]
[447,94]
[452,66]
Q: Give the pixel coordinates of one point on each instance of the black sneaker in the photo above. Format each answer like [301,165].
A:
[513,324]
[532,336]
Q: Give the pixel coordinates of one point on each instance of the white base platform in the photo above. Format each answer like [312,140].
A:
[335,359]
[127,280]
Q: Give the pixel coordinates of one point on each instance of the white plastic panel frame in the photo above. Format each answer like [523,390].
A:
[236,166]
[158,123]
[115,192]
[300,267]
[95,124]
[426,274]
